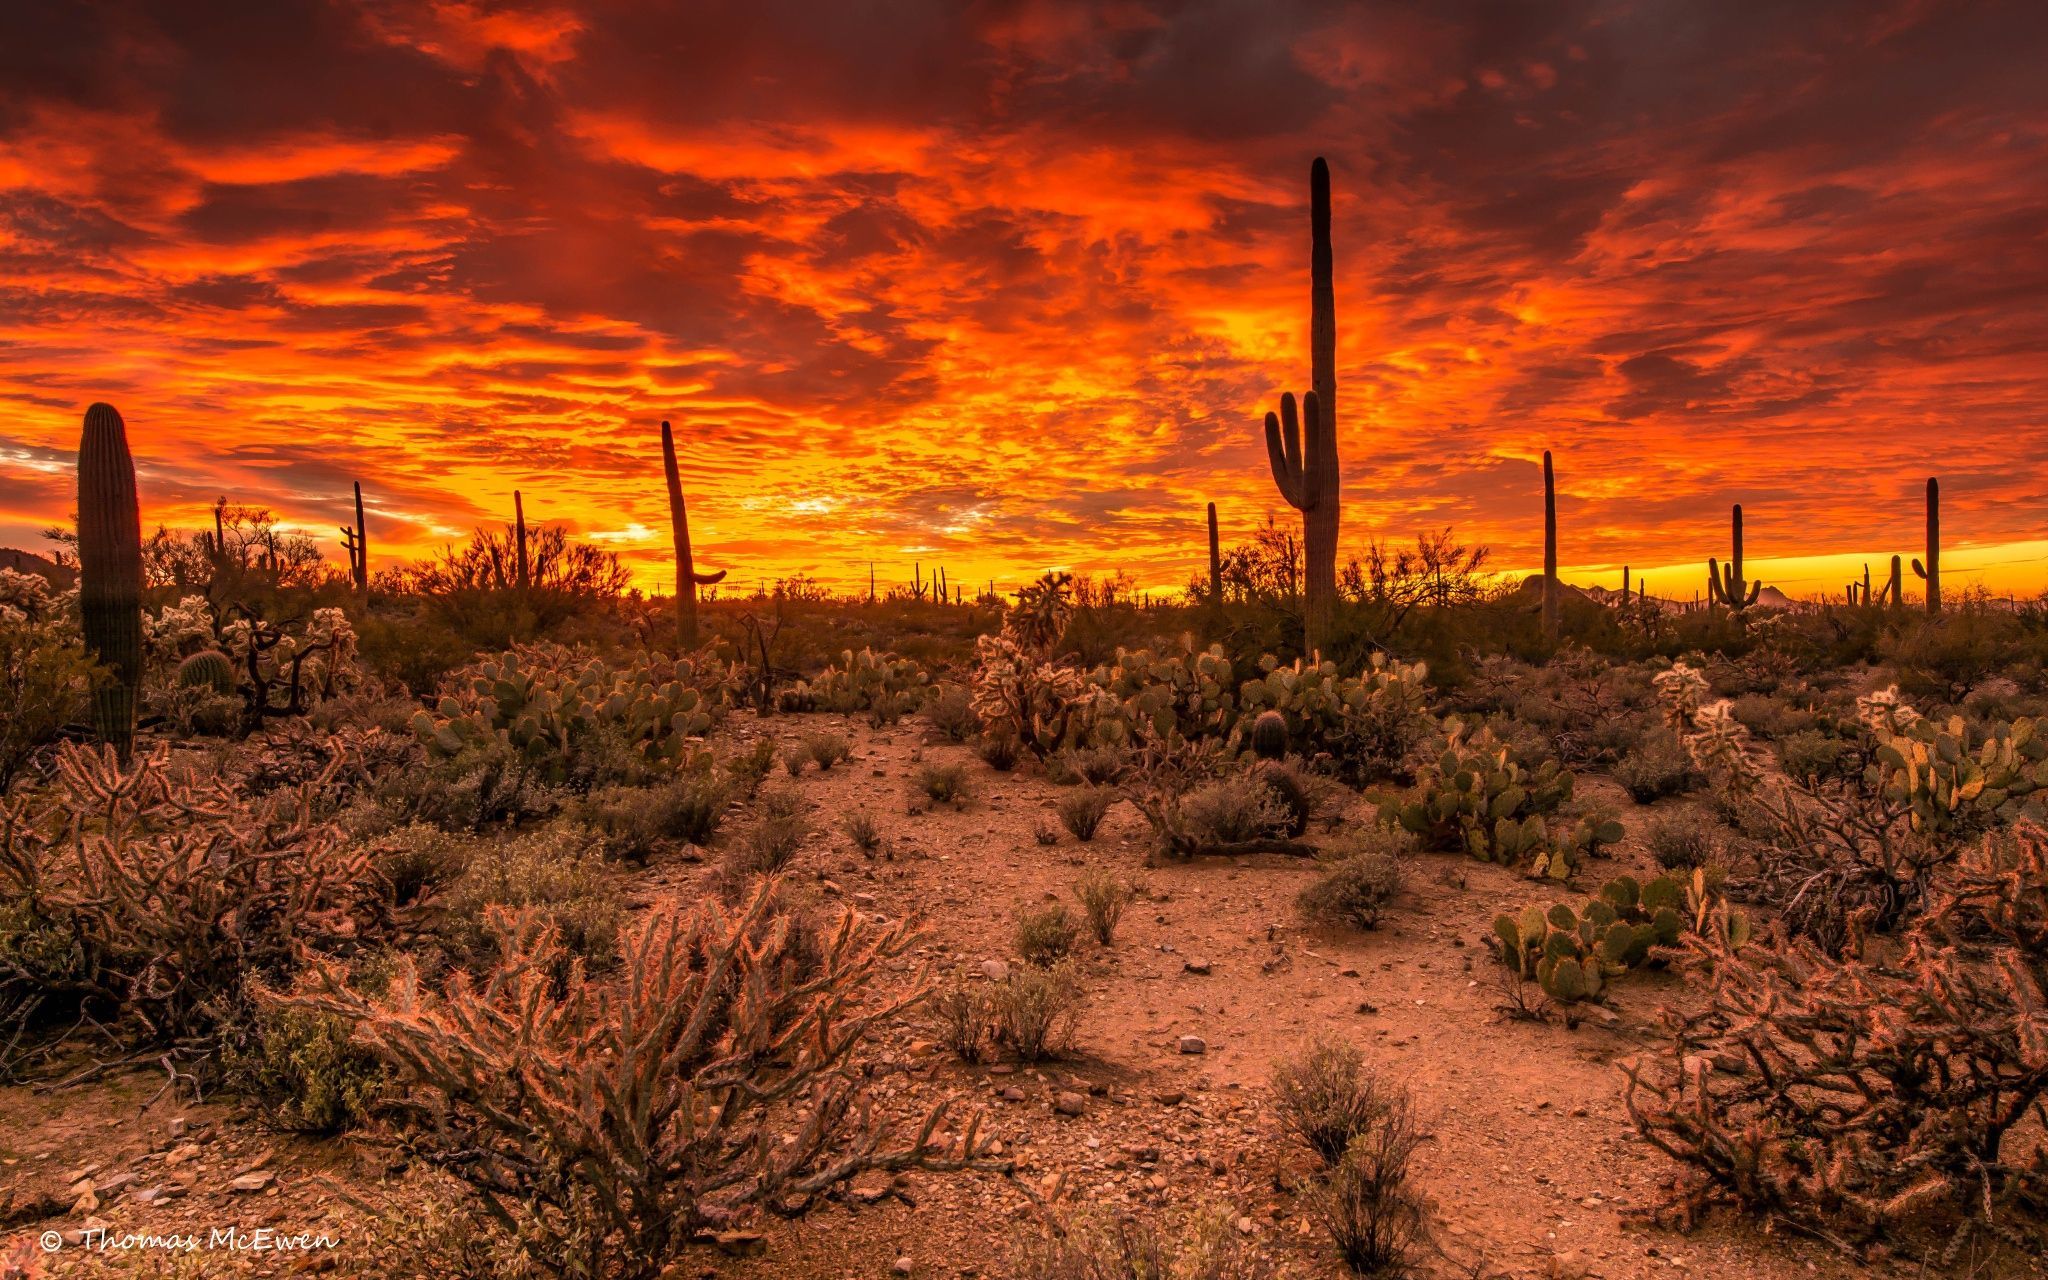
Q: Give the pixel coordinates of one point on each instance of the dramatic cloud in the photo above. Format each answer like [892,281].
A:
[1008,285]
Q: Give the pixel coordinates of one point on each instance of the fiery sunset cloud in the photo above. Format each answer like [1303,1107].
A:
[1008,286]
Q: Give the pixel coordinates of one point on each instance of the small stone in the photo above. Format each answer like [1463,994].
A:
[1200,966]
[189,1151]
[1172,1099]
[903,1266]
[1011,1093]
[995,970]
[249,1183]
[1193,1044]
[741,1244]
[1070,1104]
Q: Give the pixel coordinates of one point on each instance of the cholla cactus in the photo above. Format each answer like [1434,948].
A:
[25,597]
[1040,616]
[1018,688]
[612,1122]
[164,894]
[1682,690]
[1836,1117]
[178,630]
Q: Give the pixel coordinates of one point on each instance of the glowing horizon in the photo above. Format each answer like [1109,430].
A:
[1008,288]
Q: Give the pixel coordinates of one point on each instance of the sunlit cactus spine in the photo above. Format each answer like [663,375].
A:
[687,577]
[207,669]
[110,571]
[1549,548]
[1304,461]
[1930,571]
[1727,585]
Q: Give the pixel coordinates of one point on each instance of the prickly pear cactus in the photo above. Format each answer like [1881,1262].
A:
[1573,952]
[1478,799]
[883,685]
[1945,781]
[1376,715]
[545,701]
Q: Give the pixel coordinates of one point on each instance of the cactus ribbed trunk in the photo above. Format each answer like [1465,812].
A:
[1304,455]
[1215,562]
[687,577]
[1624,584]
[1549,549]
[1932,570]
[1896,587]
[519,537]
[110,571]
[362,546]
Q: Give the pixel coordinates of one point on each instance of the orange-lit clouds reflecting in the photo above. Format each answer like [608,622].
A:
[1007,286]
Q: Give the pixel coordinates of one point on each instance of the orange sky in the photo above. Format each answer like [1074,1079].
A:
[1008,286]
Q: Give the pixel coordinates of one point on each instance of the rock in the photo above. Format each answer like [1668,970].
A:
[1200,966]
[741,1244]
[1011,1093]
[178,1126]
[903,1266]
[995,970]
[1172,1099]
[250,1183]
[1193,1044]
[1070,1103]
[188,1151]
[870,1188]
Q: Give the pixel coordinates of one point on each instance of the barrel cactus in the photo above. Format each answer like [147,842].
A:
[1269,735]
[207,669]
[110,570]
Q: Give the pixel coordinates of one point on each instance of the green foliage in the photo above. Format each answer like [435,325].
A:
[556,874]
[635,821]
[307,1068]
[551,703]
[46,680]
[1655,767]
[1948,778]
[882,685]
[1478,798]
[1573,953]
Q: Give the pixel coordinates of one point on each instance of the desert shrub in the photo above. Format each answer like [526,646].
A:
[1328,1096]
[1366,1206]
[1046,934]
[45,675]
[1812,757]
[767,846]
[1946,656]
[1045,833]
[307,1068]
[1681,844]
[751,767]
[1036,1009]
[781,800]
[636,820]
[194,711]
[1123,1249]
[1873,1094]
[1654,768]
[483,786]
[942,783]
[1082,810]
[610,1122]
[1770,717]
[794,758]
[1103,897]
[1089,766]
[827,749]
[965,1014]
[417,860]
[998,751]
[860,827]
[157,899]
[950,712]
[1236,809]
[1355,887]
[556,874]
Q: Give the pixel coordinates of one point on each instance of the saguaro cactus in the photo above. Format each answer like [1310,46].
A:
[687,577]
[1215,562]
[519,569]
[1305,463]
[1549,548]
[110,570]
[1930,572]
[1728,586]
[1896,587]
[356,542]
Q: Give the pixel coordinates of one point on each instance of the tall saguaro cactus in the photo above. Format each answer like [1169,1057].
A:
[687,577]
[519,568]
[1727,585]
[1930,572]
[1549,548]
[1305,462]
[110,570]
[356,542]
[1215,562]
[1896,587]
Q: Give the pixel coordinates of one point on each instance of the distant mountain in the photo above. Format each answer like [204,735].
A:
[58,575]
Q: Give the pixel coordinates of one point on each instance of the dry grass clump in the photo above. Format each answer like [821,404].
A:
[1126,1249]
[635,821]
[1356,886]
[1680,844]
[1081,810]
[998,750]
[1035,1010]
[950,712]
[945,782]
[1046,934]
[860,827]
[556,873]
[1233,810]
[1656,766]
[1103,897]
[1363,1130]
